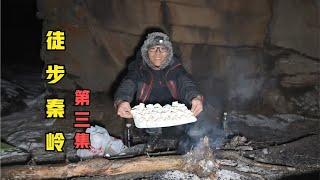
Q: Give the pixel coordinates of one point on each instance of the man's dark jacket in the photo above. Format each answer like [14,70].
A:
[140,80]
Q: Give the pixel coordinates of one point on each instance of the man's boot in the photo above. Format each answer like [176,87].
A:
[152,142]
[154,135]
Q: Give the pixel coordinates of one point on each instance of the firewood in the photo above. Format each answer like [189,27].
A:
[98,166]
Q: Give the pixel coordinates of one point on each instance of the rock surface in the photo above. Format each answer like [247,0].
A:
[301,153]
[12,155]
[97,32]
[295,25]
[264,131]
[224,44]
[298,71]
[226,23]
[308,103]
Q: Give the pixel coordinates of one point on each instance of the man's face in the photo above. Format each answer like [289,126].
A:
[157,54]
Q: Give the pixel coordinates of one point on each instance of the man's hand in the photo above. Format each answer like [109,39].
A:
[197,105]
[124,110]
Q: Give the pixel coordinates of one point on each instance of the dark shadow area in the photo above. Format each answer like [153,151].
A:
[21,65]
[310,176]
[20,38]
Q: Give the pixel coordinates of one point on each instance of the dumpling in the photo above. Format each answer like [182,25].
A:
[175,103]
[150,106]
[157,105]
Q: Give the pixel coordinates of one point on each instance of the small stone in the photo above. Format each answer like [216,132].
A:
[265,151]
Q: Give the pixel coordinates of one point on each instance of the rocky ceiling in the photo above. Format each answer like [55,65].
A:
[236,50]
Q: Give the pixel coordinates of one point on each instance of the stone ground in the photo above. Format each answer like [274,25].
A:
[23,122]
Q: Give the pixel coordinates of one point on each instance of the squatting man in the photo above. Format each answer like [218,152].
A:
[157,76]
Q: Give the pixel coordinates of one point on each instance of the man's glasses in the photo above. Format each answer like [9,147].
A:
[162,49]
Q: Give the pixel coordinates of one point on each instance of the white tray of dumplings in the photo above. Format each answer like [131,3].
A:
[153,116]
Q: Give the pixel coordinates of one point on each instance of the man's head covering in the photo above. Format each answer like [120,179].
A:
[153,39]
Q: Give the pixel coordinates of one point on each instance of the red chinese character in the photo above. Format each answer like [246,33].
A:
[78,125]
[82,113]
[82,97]
[82,140]
[82,118]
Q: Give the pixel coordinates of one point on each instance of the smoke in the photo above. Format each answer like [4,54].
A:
[230,79]
[244,91]
[209,123]
[244,75]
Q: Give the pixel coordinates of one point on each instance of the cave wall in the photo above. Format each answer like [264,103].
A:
[243,53]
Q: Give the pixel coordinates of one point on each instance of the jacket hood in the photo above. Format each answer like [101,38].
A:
[153,39]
